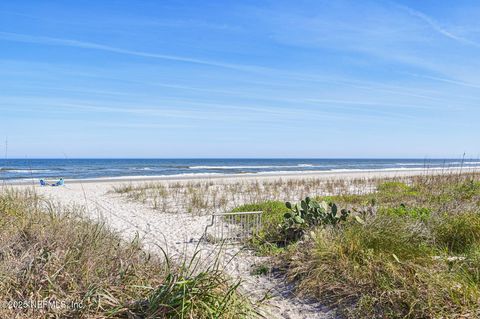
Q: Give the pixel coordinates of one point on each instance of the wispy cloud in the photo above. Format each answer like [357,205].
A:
[436,26]
[281,91]
[194,110]
[451,81]
[139,125]
[96,46]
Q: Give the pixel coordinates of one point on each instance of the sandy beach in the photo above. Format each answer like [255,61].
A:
[179,231]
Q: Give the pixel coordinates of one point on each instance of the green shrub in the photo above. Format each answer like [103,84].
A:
[353,199]
[272,211]
[459,233]
[384,268]
[260,270]
[389,235]
[468,189]
[419,213]
[395,192]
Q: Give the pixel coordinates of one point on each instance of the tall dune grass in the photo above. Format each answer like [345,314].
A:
[205,197]
[54,263]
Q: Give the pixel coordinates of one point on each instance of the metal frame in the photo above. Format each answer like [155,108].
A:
[234,226]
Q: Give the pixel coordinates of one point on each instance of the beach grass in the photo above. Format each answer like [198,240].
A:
[386,268]
[54,263]
[206,197]
[416,255]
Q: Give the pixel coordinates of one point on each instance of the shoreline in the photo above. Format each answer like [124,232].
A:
[331,174]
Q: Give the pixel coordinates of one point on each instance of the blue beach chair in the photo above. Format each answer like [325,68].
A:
[60,182]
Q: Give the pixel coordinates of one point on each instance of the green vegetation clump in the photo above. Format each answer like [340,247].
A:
[468,189]
[395,187]
[353,199]
[388,267]
[268,240]
[459,233]
[419,213]
[260,270]
[273,212]
[50,253]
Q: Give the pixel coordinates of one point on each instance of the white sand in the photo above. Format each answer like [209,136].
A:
[179,233]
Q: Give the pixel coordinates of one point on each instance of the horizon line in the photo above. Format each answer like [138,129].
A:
[224,158]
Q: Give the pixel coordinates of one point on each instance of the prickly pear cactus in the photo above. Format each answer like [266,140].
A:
[309,213]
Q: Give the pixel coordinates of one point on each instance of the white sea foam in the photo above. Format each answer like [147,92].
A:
[24,170]
[157,176]
[252,166]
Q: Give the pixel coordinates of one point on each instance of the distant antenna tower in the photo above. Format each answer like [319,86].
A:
[6,147]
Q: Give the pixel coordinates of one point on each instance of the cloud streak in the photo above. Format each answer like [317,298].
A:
[450,81]
[436,26]
[101,47]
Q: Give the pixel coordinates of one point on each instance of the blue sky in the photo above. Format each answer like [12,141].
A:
[240,78]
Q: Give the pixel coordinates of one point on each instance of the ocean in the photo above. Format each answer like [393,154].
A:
[25,169]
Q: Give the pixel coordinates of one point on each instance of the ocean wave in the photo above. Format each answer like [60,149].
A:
[157,176]
[278,173]
[16,170]
[462,163]
[177,166]
[252,166]
[346,170]
[405,169]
